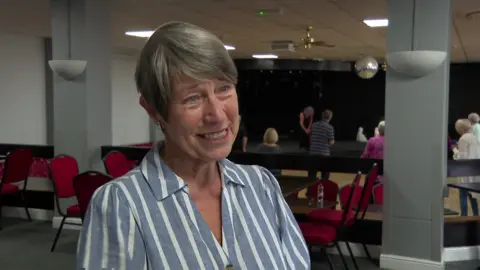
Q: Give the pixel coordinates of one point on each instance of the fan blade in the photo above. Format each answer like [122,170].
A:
[322,44]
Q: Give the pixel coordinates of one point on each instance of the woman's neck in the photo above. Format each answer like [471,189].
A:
[196,173]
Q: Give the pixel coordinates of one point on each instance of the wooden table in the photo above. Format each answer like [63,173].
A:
[378,208]
[472,187]
[292,184]
[302,207]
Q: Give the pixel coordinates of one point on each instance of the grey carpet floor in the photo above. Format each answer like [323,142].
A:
[26,245]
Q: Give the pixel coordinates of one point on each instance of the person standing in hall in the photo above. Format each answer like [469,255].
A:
[474,118]
[468,148]
[322,137]
[306,120]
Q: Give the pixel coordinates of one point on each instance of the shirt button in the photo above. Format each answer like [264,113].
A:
[229,267]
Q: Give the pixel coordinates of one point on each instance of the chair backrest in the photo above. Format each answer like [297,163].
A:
[351,191]
[330,190]
[85,184]
[367,191]
[378,193]
[116,164]
[63,168]
[17,166]
[344,194]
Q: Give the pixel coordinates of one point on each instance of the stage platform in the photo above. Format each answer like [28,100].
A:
[339,149]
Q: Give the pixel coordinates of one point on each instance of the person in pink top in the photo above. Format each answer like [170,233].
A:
[374,147]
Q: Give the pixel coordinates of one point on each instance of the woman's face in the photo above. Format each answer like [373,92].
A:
[203,118]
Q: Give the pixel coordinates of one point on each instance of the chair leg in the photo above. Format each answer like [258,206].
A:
[329,260]
[368,253]
[25,205]
[345,265]
[354,260]
[58,234]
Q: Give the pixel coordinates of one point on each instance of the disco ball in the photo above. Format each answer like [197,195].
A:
[366,67]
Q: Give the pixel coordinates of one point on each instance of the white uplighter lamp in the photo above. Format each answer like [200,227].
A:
[416,64]
[68,69]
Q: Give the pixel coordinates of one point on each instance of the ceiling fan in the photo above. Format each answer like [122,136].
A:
[308,41]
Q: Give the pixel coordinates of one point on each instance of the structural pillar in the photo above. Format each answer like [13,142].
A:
[82,107]
[415,161]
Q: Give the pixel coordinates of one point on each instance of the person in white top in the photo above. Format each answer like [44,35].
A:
[468,148]
[474,118]
[360,136]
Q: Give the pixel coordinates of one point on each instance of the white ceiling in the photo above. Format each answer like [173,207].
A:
[237,23]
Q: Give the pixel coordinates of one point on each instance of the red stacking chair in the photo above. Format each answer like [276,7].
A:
[63,168]
[361,197]
[85,185]
[359,205]
[16,169]
[116,164]
[378,193]
[325,235]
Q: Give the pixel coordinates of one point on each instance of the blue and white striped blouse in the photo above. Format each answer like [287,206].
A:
[147,220]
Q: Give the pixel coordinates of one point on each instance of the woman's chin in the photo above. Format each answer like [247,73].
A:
[218,153]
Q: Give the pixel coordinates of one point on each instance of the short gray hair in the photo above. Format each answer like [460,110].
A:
[309,111]
[381,127]
[178,49]
[474,118]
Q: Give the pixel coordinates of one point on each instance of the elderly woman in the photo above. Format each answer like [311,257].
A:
[186,206]
[374,147]
[270,140]
[270,146]
[468,148]
[474,118]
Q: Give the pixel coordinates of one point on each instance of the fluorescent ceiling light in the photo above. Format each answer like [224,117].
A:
[376,22]
[265,56]
[142,34]
[147,34]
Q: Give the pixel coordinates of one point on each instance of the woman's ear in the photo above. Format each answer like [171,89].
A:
[152,112]
[149,109]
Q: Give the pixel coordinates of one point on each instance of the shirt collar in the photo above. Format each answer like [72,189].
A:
[164,182]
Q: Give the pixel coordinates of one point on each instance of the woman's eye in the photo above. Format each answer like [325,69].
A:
[225,88]
[192,99]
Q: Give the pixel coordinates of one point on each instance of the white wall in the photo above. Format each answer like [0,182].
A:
[22,90]
[130,121]
[22,95]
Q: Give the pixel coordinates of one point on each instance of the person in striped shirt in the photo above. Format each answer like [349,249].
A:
[186,206]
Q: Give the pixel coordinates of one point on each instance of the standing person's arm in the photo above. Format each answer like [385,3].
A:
[302,119]
[331,136]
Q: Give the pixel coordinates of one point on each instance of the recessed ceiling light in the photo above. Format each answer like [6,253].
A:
[265,56]
[376,22]
[147,34]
